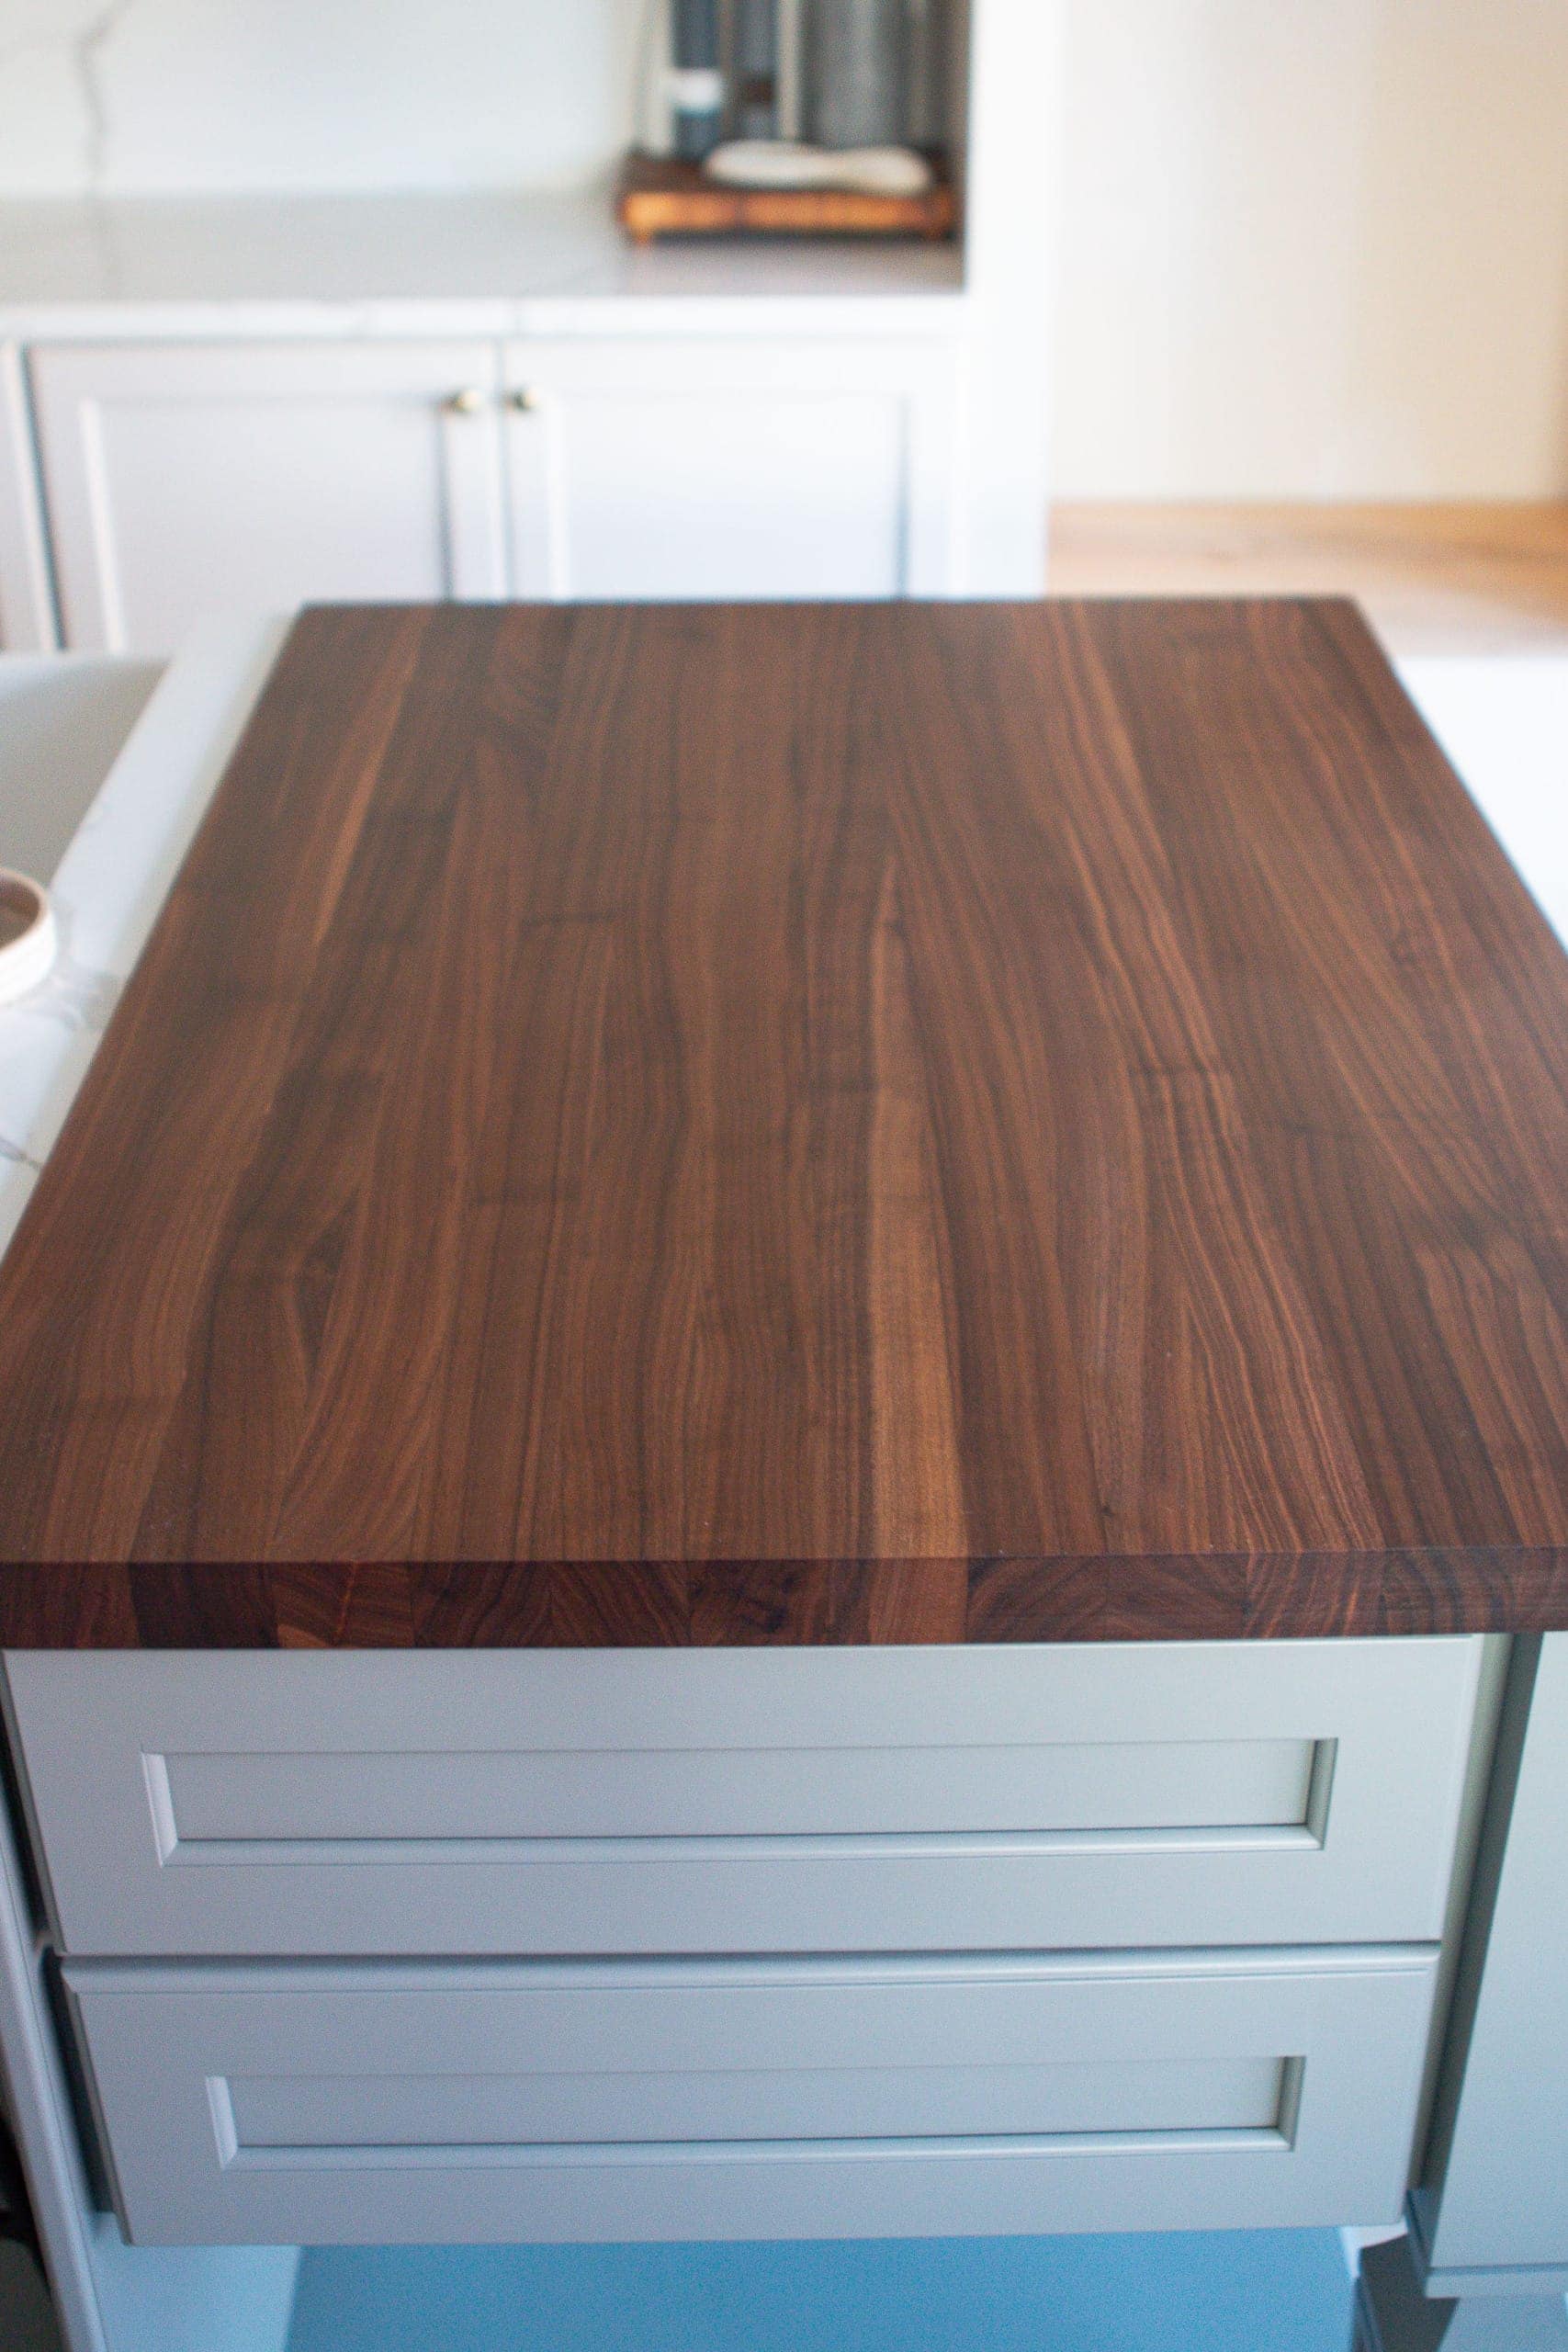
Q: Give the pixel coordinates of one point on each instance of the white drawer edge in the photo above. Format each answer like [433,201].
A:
[1156,1962]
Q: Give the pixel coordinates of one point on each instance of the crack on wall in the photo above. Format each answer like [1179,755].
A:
[83,53]
[86,58]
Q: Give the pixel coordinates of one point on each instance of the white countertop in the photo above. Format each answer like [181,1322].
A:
[485,263]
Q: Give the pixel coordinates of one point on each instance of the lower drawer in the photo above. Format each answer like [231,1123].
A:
[314,2105]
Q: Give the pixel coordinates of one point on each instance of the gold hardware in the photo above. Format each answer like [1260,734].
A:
[525,399]
[467,402]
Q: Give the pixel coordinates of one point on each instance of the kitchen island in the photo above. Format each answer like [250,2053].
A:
[785,1421]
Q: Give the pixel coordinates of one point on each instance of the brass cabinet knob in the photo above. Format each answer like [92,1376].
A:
[525,399]
[467,402]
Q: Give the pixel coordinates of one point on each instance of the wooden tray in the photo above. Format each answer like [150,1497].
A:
[660,197]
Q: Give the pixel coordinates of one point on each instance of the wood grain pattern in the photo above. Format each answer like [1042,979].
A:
[660,196]
[810,1123]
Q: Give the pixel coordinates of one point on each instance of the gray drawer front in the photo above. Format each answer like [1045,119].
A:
[344,2104]
[514,1802]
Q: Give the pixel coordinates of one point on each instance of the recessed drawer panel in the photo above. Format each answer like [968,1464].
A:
[886,1799]
[318,2105]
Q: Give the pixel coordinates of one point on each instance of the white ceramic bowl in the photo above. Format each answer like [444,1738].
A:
[28,937]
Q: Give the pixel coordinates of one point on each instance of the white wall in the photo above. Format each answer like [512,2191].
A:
[139,96]
[1314,248]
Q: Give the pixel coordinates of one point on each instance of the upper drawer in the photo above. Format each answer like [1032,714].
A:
[729,1800]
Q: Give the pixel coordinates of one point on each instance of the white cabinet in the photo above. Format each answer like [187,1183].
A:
[681,468]
[238,403]
[497,1945]
[180,479]
[1490,2215]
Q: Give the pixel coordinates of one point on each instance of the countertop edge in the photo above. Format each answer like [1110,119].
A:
[790,1604]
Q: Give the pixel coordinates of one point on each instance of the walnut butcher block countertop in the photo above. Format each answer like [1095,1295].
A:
[909,1122]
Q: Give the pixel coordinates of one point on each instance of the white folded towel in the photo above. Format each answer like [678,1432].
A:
[786,163]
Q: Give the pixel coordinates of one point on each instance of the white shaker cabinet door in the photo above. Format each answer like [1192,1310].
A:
[643,467]
[184,478]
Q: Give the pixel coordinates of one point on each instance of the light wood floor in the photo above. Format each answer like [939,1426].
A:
[1434,578]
